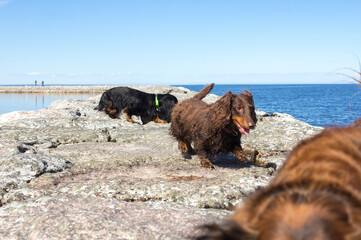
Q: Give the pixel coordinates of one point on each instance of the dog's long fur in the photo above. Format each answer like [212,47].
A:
[316,194]
[213,128]
[135,102]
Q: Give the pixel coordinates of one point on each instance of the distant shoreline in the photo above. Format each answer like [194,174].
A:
[54,89]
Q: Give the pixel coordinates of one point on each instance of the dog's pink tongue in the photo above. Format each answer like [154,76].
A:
[244,131]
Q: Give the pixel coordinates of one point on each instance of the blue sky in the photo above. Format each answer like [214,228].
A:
[178,41]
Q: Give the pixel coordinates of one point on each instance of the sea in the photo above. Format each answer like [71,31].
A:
[317,104]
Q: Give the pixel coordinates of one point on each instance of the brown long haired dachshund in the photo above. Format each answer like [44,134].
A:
[315,195]
[213,128]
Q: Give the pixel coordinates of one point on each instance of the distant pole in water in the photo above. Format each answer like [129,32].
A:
[42,83]
[36,83]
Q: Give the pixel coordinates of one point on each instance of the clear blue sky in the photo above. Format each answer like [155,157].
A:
[178,41]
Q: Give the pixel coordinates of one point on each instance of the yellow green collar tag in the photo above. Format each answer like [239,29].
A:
[156,101]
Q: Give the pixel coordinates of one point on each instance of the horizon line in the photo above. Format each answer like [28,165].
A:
[58,84]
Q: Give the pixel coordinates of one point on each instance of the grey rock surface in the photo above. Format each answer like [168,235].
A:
[71,172]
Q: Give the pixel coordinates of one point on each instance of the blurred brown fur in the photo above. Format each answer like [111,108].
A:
[316,194]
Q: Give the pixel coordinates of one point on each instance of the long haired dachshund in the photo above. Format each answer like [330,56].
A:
[213,128]
[316,194]
[150,107]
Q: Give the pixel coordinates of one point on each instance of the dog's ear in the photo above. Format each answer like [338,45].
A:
[221,110]
[247,93]
[228,230]
[223,106]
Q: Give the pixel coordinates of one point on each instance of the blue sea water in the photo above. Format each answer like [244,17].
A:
[317,104]
[10,102]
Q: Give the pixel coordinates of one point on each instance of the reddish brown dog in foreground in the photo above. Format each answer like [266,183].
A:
[213,128]
[315,195]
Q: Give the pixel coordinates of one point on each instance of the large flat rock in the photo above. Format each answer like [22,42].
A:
[68,216]
[71,172]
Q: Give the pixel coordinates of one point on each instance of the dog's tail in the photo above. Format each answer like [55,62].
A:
[207,89]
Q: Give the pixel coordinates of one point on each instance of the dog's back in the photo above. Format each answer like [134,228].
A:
[186,112]
[130,98]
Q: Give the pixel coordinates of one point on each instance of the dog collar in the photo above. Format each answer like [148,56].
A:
[156,101]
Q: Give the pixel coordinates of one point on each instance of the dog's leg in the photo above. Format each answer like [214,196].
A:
[110,111]
[185,148]
[203,157]
[129,118]
[238,151]
[158,120]
[182,147]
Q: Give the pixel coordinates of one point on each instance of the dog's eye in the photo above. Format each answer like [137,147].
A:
[239,108]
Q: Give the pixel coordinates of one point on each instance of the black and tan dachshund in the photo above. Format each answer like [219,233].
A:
[150,107]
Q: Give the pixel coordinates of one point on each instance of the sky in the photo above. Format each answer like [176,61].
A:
[179,42]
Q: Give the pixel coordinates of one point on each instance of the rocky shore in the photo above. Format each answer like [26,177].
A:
[71,172]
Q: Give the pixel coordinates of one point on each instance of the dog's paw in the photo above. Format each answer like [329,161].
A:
[238,152]
[158,120]
[241,157]
[207,164]
[130,120]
